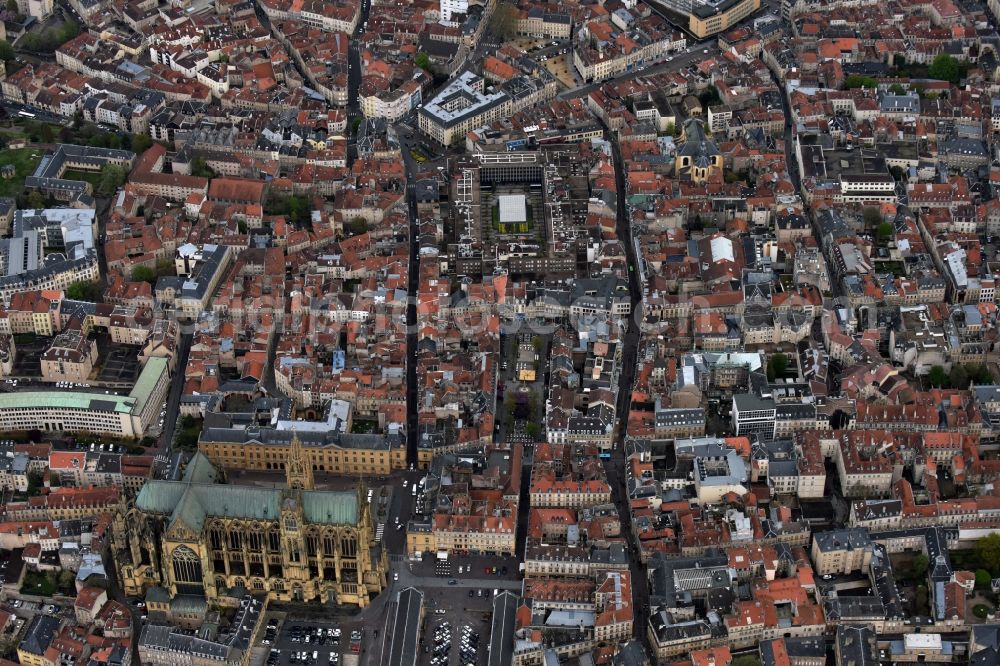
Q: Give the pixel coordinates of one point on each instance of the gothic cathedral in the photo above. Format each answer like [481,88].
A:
[198,536]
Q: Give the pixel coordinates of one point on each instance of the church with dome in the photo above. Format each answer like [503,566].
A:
[698,158]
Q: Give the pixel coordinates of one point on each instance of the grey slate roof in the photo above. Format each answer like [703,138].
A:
[403,649]
[39,634]
[502,630]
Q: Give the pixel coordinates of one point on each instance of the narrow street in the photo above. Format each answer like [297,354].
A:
[354,80]
[166,440]
[678,61]
[616,465]
[792,166]
[413,283]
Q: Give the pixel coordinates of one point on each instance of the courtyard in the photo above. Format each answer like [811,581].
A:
[515,216]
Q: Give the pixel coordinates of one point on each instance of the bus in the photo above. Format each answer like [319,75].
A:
[605,455]
[26,114]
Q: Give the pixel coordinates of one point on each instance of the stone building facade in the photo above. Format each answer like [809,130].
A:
[201,537]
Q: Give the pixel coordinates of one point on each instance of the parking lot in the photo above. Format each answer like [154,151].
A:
[466,617]
[482,568]
[448,645]
[301,642]
[459,590]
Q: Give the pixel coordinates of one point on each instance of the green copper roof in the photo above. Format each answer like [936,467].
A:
[200,470]
[60,400]
[191,503]
[189,511]
[329,508]
[155,367]
[160,496]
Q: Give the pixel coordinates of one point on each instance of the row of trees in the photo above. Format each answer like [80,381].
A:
[87,134]
[48,40]
[112,177]
[944,67]
[356,226]
[298,209]
[960,376]
[187,437]
[6,51]
[874,221]
[199,167]
[84,291]
[987,556]
[776,366]
[150,275]
[503,22]
[984,558]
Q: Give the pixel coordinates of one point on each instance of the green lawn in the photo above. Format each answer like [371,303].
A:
[894,267]
[364,427]
[12,129]
[966,558]
[36,583]
[24,164]
[92,177]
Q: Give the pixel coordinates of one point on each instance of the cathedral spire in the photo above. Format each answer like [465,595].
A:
[299,470]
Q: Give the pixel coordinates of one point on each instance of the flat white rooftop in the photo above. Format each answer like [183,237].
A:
[513,208]
[922,641]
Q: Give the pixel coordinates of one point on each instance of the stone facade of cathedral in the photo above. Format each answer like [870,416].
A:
[201,537]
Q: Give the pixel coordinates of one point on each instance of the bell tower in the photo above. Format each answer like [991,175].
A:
[299,472]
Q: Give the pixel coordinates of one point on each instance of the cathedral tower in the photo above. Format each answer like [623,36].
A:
[299,470]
